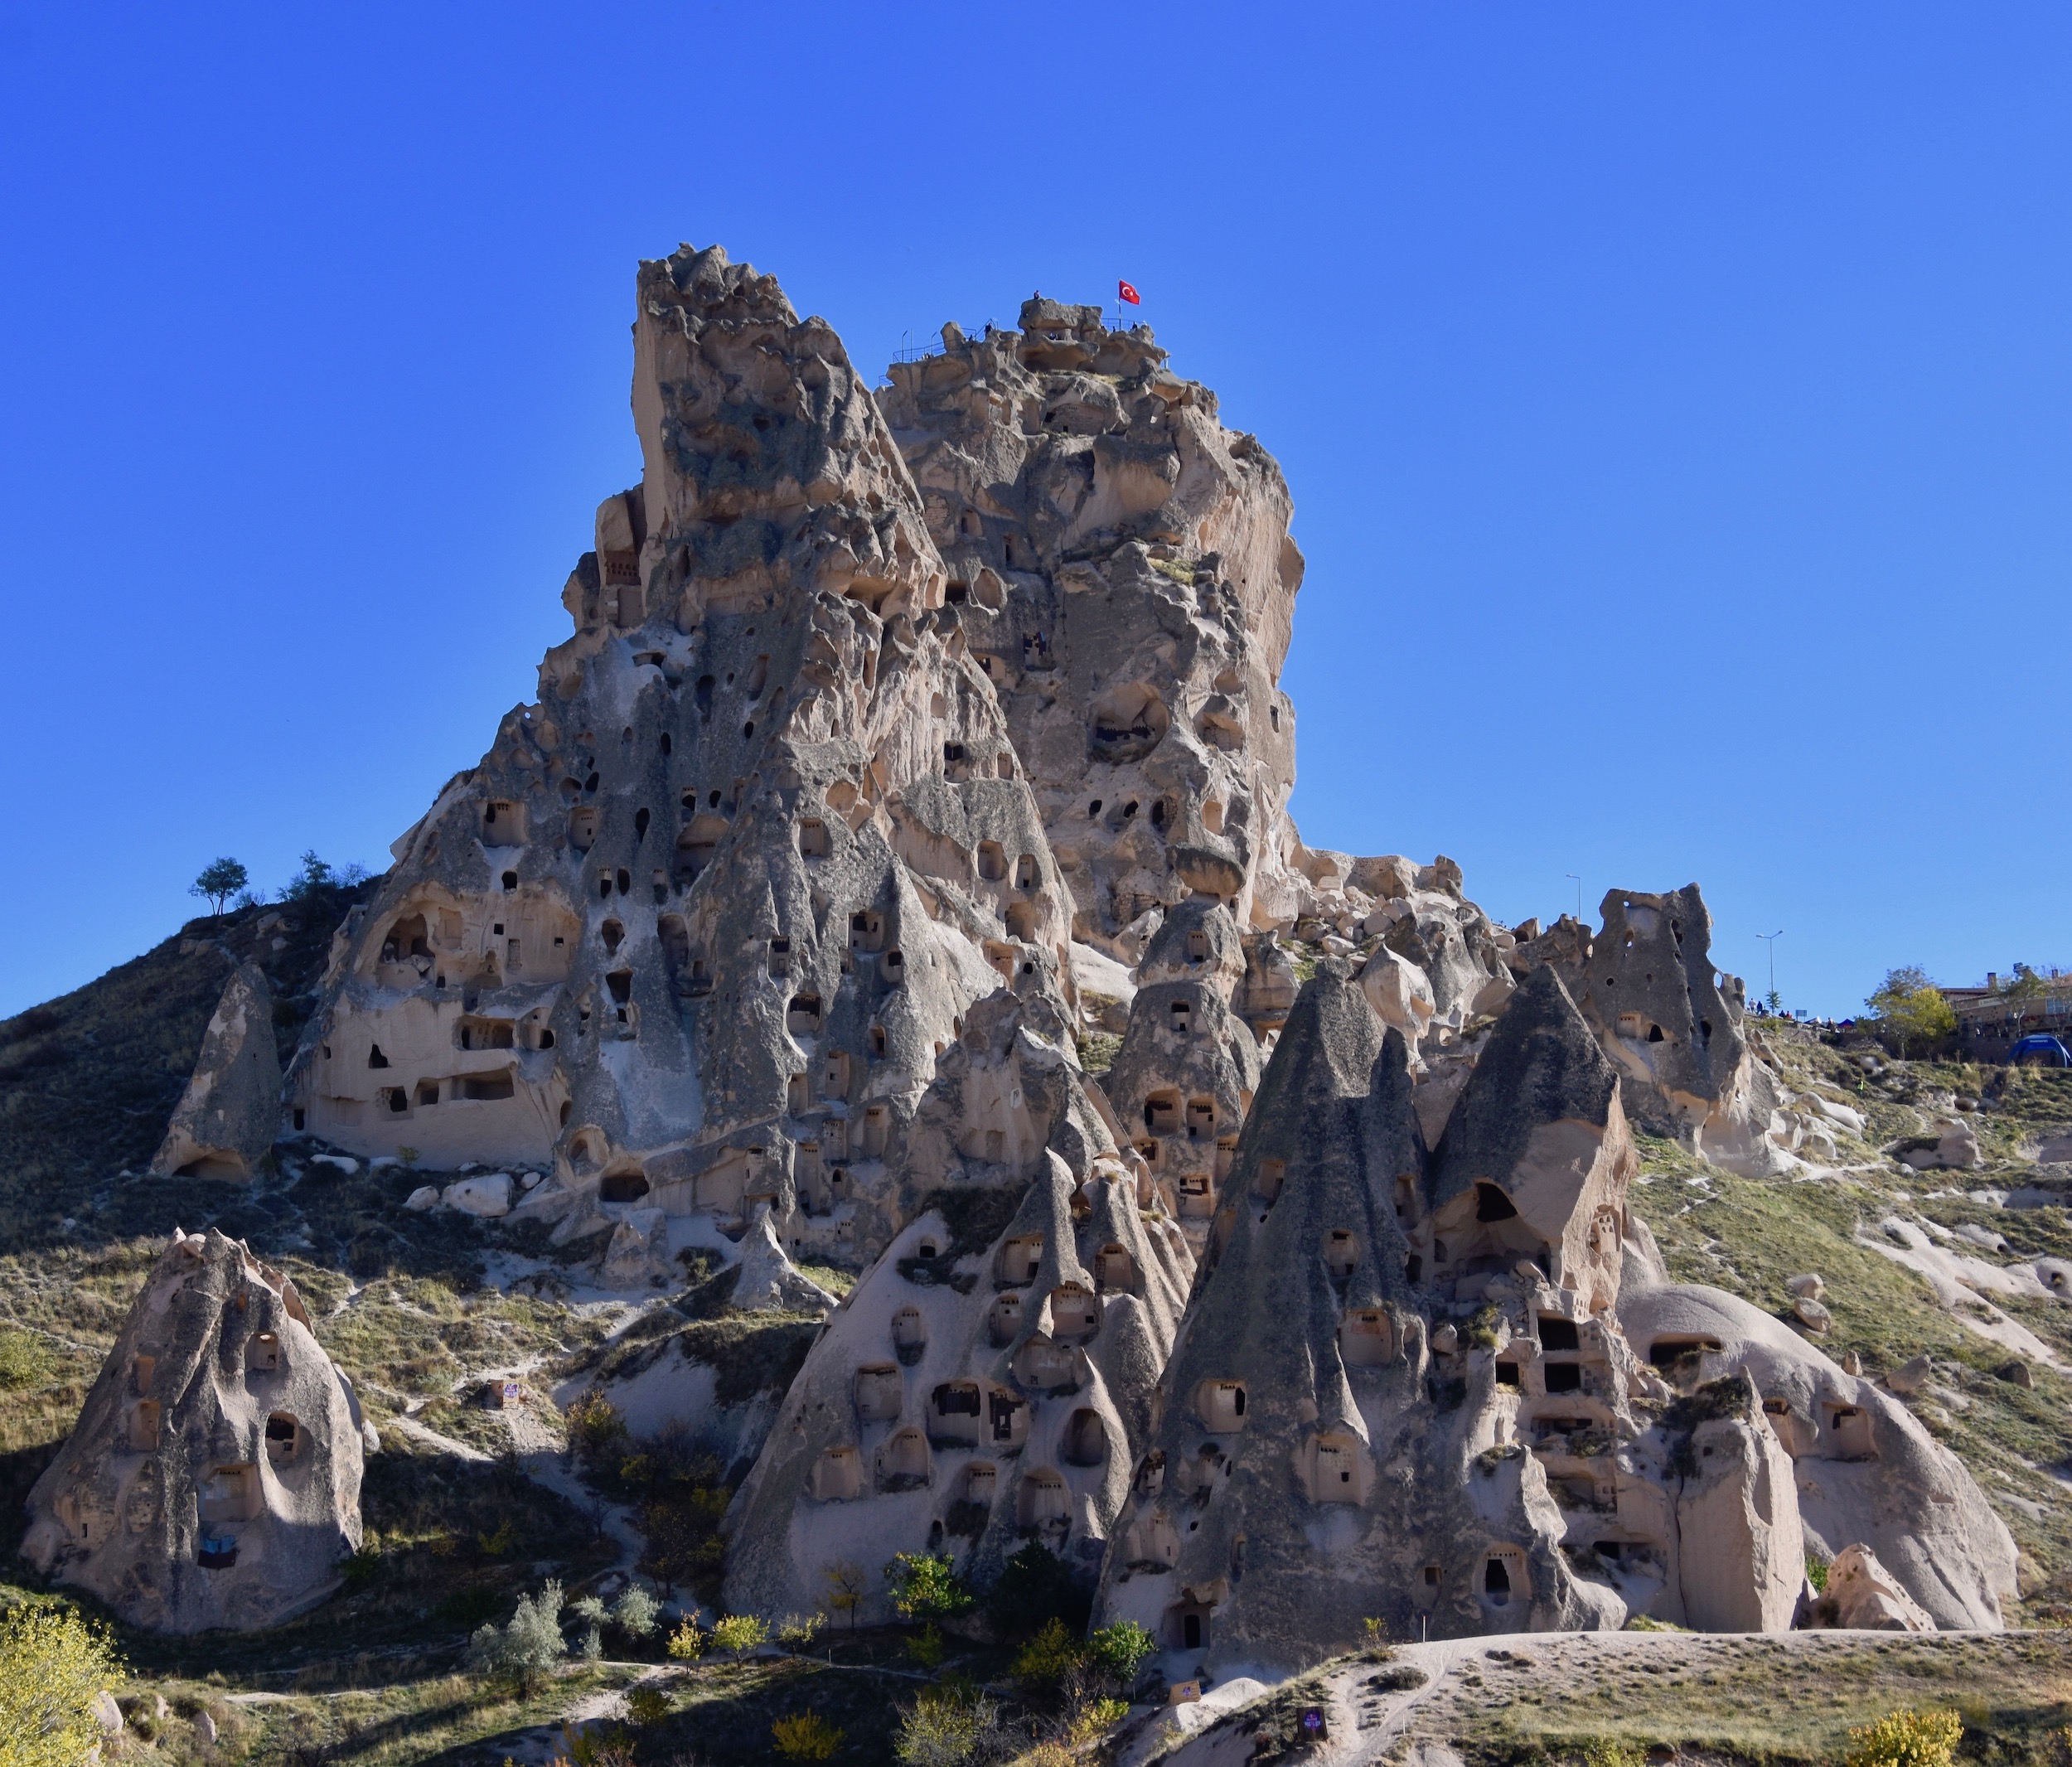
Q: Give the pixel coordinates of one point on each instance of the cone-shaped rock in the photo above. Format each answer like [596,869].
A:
[213,1478]
[225,1123]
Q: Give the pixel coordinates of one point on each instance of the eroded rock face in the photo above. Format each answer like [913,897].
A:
[225,1123]
[1867,1472]
[1334,1444]
[699,925]
[213,1478]
[1119,562]
[1183,1081]
[986,1384]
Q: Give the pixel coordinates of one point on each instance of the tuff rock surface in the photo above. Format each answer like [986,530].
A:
[906,741]
[213,1478]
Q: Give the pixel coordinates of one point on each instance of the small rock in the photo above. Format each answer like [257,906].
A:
[340,1161]
[159,1708]
[1811,1314]
[1445,1340]
[381,1161]
[423,1198]
[1864,1595]
[2019,1373]
[486,1197]
[1985,1237]
[106,1712]
[204,1729]
[1910,1377]
[528,1180]
[1808,1287]
[1851,1364]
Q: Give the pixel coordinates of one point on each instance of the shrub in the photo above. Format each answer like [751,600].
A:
[1905,1739]
[1121,1650]
[1046,1659]
[646,1704]
[805,1737]
[592,1649]
[926,1587]
[1094,1719]
[687,1643]
[52,1663]
[594,1426]
[947,1727]
[926,1648]
[528,1647]
[740,1634]
[796,1632]
[25,1360]
[636,1611]
[1817,1575]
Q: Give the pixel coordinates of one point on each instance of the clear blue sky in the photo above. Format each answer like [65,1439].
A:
[1677,400]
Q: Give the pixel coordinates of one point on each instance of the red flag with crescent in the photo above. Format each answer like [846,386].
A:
[1124,292]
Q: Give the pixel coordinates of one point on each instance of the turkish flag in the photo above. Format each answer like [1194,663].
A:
[1124,292]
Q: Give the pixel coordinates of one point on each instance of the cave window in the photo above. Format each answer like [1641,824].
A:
[1496,1581]
[1564,1377]
[802,1017]
[1558,1333]
[375,1058]
[511,880]
[1492,1204]
[992,861]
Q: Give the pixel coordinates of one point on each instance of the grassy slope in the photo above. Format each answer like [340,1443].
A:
[1749,1237]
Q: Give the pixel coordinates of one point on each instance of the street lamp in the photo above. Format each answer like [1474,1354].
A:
[1771,938]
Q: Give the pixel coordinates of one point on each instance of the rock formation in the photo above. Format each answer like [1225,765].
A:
[1413,1390]
[902,737]
[989,1381]
[213,1478]
[225,1121]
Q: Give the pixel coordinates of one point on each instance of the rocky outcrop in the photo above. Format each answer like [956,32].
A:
[225,1121]
[1120,563]
[1866,1471]
[698,927]
[1336,1445]
[986,1384]
[213,1478]
[1182,1083]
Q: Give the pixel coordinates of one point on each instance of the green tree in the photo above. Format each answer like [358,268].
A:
[2024,984]
[52,1663]
[1121,1650]
[221,879]
[1911,1009]
[805,1737]
[740,1634]
[926,1587]
[635,1612]
[845,1586]
[529,1647]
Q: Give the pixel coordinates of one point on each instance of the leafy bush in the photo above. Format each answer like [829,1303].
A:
[1048,1659]
[805,1737]
[52,1662]
[25,1360]
[528,1647]
[926,1648]
[796,1632]
[687,1643]
[646,1704]
[947,1727]
[595,1427]
[926,1587]
[1905,1739]
[1817,1575]
[1122,1650]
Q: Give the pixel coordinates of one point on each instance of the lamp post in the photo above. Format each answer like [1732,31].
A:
[1771,939]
